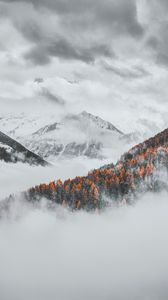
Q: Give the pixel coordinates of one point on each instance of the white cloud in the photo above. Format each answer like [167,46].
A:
[120,254]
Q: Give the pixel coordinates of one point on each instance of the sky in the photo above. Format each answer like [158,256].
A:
[109,58]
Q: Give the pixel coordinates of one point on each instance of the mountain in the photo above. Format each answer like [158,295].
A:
[85,118]
[12,151]
[70,136]
[143,168]
[74,135]
[98,122]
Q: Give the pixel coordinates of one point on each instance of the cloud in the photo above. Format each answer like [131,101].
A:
[120,254]
[156,39]
[37,57]
[163,2]
[121,14]
[159,47]
[44,92]
[39,80]
[42,53]
[72,39]
[133,73]
[82,29]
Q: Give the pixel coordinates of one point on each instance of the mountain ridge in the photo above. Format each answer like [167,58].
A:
[88,137]
[13,151]
[100,122]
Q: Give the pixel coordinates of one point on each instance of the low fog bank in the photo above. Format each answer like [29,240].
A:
[18,177]
[119,254]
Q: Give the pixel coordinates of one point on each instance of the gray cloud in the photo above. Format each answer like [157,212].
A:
[134,73]
[159,46]
[38,80]
[37,57]
[153,42]
[120,16]
[42,52]
[111,11]
[32,30]
[45,93]
[156,40]
[88,25]
[163,2]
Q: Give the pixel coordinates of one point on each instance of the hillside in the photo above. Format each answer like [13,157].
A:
[135,172]
[12,151]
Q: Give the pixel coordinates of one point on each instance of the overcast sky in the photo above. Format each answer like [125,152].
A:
[107,57]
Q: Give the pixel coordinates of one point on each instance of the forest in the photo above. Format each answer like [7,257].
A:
[136,171]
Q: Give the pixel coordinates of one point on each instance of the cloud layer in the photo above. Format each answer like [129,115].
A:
[120,254]
[78,30]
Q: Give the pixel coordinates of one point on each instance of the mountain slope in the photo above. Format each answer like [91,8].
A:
[76,135]
[99,122]
[136,171]
[12,151]
[73,135]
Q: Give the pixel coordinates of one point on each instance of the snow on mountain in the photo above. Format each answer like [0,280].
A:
[69,136]
[99,122]
[12,151]
[46,129]
[75,135]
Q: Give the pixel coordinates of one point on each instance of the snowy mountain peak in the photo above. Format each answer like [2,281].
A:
[99,122]
[72,135]
[47,128]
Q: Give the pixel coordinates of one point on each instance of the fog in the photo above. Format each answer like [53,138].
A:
[117,254]
[50,254]
[15,178]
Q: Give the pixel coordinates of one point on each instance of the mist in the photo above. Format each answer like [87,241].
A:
[15,178]
[55,254]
